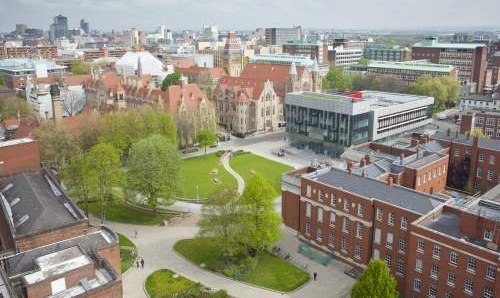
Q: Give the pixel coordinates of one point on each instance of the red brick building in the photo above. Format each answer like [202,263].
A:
[31,52]
[473,163]
[48,248]
[352,217]
[487,122]
[18,155]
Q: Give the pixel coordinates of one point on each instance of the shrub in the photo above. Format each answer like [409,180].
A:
[228,272]
[240,152]
[219,153]
[190,150]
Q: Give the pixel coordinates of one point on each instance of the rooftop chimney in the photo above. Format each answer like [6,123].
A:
[414,142]
[363,173]
[362,162]
[401,157]
[418,153]
[448,132]
[367,159]
[349,167]
[390,180]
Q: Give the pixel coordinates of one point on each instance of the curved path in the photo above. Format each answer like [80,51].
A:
[155,246]
[225,162]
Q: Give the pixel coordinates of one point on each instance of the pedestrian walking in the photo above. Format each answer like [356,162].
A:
[137,264]
[135,234]
[315,275]
[142,263]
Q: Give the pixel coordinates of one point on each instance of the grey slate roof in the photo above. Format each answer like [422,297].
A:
[23,262]
[462,139]
[425,160]
[434,146]
[406,198]
[41,206]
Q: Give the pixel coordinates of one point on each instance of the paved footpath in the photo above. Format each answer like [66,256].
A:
[225,162]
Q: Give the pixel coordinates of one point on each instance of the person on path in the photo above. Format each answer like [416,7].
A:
[136,234]
[142,263]
[315,275]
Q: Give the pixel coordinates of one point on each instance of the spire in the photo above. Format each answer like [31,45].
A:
[293,69]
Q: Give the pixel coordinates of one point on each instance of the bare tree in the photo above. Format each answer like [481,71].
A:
[73,101]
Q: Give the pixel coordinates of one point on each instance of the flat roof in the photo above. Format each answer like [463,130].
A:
[16,142]
[395,195]
[437,44]
[416,65]
[35,203]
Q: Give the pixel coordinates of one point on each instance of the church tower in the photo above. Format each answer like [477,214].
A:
[292,84]
[232,56]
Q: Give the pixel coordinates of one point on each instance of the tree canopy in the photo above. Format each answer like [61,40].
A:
[153,168]
[55,143]
[375,282]
[445,91]
[79,67]
[171,79]
[206,138]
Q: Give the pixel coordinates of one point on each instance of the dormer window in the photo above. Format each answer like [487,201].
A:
[488,235]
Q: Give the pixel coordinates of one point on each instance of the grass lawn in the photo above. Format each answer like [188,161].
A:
[118,212]
[128,252]
[162,283]
[198,171]
[245,164]
[270,271]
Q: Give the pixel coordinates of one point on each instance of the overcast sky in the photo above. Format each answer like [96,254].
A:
[245,14]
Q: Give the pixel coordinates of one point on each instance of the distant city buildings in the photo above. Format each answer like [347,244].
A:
[480,102]
[279,36]
[344,57]
[381,52]
[85,26]
[469,59]
[17,71]
[315,50]
[487,122]
[59,28]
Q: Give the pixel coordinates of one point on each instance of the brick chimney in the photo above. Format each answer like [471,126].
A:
[414,142]
[390,180]
[55,93]
[401,156]
[349,167]
[362,162]
[368,159]
[448,132]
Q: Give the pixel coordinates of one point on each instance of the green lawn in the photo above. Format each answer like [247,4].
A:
[245,164]
[118,212]
[269,272]
[128,252]
[162,283]
[198,171]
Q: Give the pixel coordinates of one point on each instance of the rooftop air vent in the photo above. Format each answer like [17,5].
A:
[22,220]
[15,201]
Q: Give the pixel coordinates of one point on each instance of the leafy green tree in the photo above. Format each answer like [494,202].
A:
[79,67]
[445,91]
[206,138]
[103,162]
[153,169]
[79,181]
[336,79]
[220,221]
[55,143]
[375,282]
[13,107]
[366,82]
[115,131]
[171,79]
[260,222]
[363,61]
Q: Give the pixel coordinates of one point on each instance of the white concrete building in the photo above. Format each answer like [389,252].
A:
[144,63]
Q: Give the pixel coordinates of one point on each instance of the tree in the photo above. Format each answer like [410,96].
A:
[79,67]
[73,101]
[336,79]
[376,281]
[171,79]
[261,223]
[103,162]
[445,91]
[365,82]
[14,107]
[206,138]
[363,61]
[55,143]
[153,169]
[79,181]
[221,214]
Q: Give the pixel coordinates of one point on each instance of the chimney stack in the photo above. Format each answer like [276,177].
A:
[362,162]
[349,167]
[367,159]
[448,132]
[390,180]
[55,93]
[418,153]
[363,173]
[414,142]
[401,157]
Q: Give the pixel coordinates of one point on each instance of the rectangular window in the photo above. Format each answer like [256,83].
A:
[451,279]
[457,152]
[417,285]
[490,121]
[333,199]
[343,246]
[357,251]
[320,214]
[480,120]
[404,223]
[479,172]
[492,159]
[453,257]
[388,260]
[345,224]
[361,210]
[308,209]
[432,291]
[420,245]
[418,265]
[321,195]
[389,240]
[331,238]
[308,228]
[333,218]
[402,245]
[488,235]
[346,205]
[391,218]
[308,191]
[490,175]
[435,271]
[488,293]
[319,234]
[491,272]
[468,286]
[471,265]
[359,230]
[481,157]
[400,267]
[377,236]
[379,214]
[436,252]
